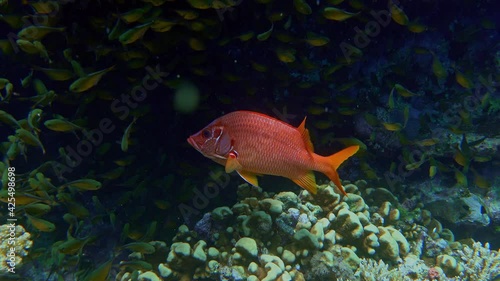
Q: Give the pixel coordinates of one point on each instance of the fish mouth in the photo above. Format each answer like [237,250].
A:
[191,141]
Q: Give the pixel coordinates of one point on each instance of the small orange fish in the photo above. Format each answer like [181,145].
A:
[253,144]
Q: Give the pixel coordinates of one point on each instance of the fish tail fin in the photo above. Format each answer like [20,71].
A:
[328,165]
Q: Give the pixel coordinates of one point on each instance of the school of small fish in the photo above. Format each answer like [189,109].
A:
[97,99]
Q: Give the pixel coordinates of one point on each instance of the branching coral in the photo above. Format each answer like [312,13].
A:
[479,262]
[14,245]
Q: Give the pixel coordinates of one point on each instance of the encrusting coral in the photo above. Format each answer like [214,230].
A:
[320,237]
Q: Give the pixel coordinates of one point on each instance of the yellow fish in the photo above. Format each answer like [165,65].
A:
[56,74]
[416,27]
[135,14]
[72,246]
[397,14]
[101,273]
[84,184]
[37,32]
[134,34]
[30,139]
[302,7]
[286,55]
[393,126]
[427,142]
[41,224]
[61,125]
[463,80]
[265,35]
[403,91]
[336,14]
[45,7]
[37,209]
[479,180]
[162,25]
[8,119]
[246,36]
[316,40]
[141,247]
[21,198]
[438,68]
[432,171]
[84,83]
[27,46]
[461,178]
[126,136]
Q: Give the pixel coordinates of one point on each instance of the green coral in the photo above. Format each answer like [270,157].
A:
[343,240]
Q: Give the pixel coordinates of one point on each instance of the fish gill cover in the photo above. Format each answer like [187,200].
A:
[97,99]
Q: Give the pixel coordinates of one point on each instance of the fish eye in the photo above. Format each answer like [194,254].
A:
[206,134]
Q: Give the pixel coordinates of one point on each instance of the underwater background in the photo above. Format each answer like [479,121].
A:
[99,183]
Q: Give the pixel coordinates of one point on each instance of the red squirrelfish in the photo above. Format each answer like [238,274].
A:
[253,144]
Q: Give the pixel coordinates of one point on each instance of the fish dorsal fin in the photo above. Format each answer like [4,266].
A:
[251,178]
[232,164]
[307,182]
[305,136]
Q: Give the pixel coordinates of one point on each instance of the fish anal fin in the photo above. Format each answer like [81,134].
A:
[232,164]
[307,182]
[249,177]
[305,136]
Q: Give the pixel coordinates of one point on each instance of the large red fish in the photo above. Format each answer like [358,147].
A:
[253,144]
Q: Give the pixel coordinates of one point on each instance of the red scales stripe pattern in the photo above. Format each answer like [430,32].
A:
[266,145]
[252,143]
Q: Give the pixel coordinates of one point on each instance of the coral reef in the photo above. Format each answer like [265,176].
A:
[322,237]
[478,262]
[15,244]
[262,247]
[475,262]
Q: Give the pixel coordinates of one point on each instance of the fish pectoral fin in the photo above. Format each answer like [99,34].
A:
[232,164]
[249,177]
[307,182]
